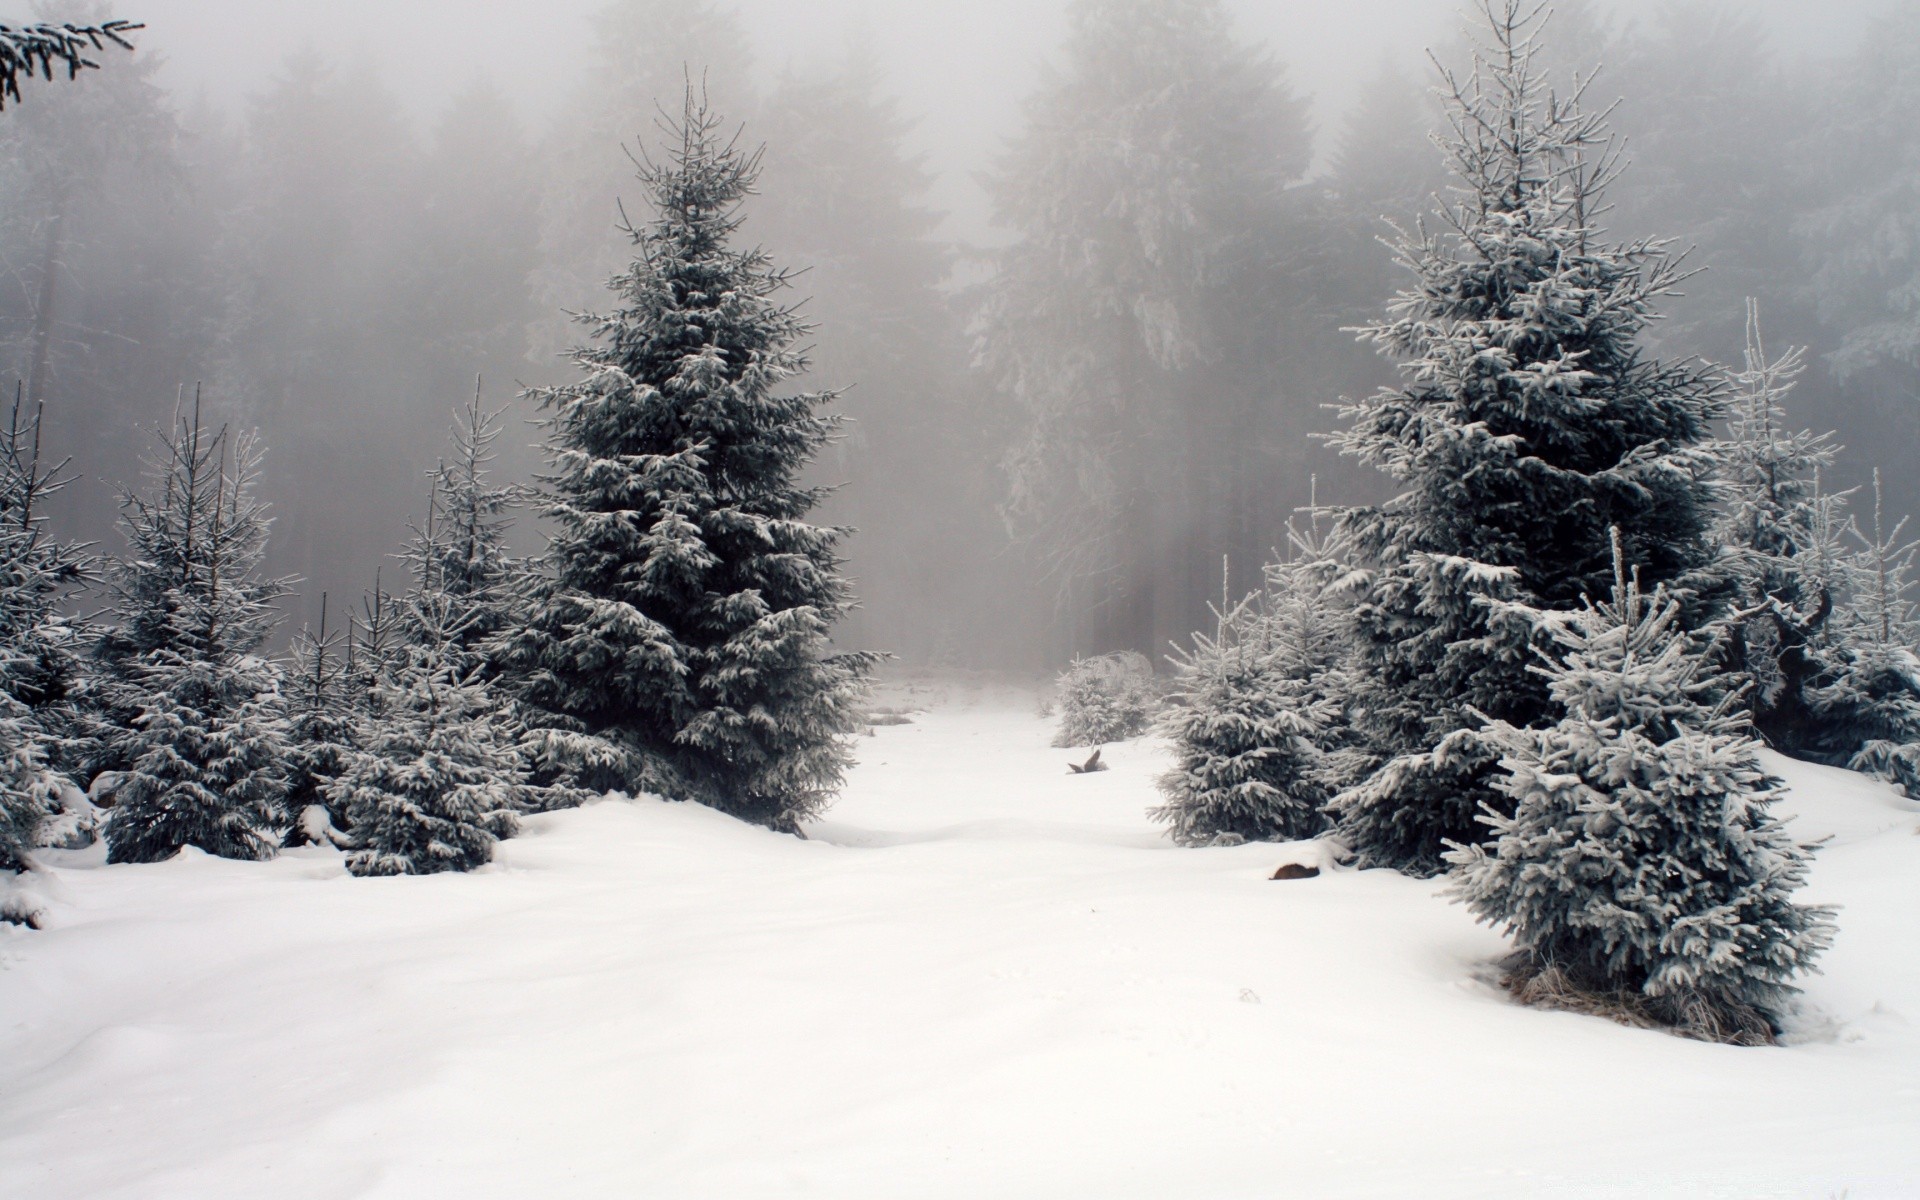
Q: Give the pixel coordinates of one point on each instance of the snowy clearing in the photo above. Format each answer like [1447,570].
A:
[982,977]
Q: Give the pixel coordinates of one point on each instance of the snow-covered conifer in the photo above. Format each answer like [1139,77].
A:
[1258,718]
[1784,534]
[320,733]
[1105,698]
[686,621]
[38,663]
[1636,863]
[462,551]
[433,782]
[1530,422]
[1866,705]
[203,745]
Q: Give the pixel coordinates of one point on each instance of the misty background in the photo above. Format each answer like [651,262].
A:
[1087,335]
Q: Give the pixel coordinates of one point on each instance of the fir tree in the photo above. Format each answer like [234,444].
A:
[320,733]
[1867,703]
[462,552]
[203,739]
[433,783]
[29,50]
[1784,533]
[39,666]
[1531,422]
[1105,698]
[1637,863]
[687,618]
[1255,721]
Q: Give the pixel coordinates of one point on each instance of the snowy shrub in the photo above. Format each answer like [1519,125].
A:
[1641,866]
[1106,698]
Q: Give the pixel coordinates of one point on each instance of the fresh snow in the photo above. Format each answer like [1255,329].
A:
[981,977]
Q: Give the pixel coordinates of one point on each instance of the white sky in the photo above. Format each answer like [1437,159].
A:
[960,66]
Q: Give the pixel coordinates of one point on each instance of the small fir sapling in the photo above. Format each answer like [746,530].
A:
[1105,698]
[1869,703]
[1256,719]
[432,784]
[320,733]
[1638,866]
[1783,537]
[205,749]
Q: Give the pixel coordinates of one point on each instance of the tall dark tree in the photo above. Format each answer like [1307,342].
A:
[845,200]
[688,616]
[1129,319]
[1531,421]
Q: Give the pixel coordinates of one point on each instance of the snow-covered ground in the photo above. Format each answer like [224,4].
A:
[981,977]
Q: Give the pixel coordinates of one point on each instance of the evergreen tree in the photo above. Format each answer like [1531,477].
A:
[433,782]
[38,664]
[194,714]
[1636,860]
[687,619]
[27,50]
[1106,698]
[1255,722]
[1867,703]
[462,552]
[320,733]
[1531,421]
[1131,320]
[1787,561]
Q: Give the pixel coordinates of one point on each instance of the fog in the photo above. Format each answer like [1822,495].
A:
[333,215]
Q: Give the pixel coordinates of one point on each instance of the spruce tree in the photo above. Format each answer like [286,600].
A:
[1530,422]
[462,552]
[201,737]
[1636,862]
[1866,705]
[1257,721]
[686,621]
[39,665]
[320,733]
[433,781]
[1784,533]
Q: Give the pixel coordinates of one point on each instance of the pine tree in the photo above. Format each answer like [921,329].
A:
[320,733]
[687,619]
[432,785]
[1637,863]
[1105,698]
[462,552]
[1530,422]
[201,732]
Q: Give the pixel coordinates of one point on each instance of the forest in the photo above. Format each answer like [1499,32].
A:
[1499,490]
